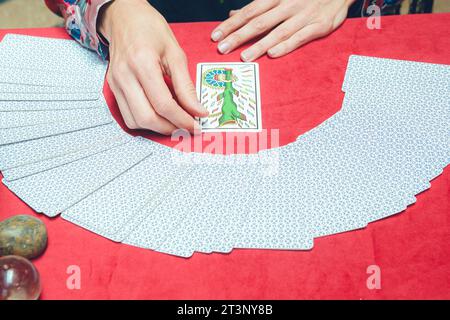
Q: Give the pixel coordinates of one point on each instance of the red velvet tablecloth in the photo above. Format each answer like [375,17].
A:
[298,92]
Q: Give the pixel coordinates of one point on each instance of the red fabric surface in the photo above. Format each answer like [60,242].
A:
[298,92]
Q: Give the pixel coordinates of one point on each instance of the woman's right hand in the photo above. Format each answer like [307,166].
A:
[142,50]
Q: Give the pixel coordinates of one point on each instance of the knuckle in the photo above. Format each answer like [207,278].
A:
[146,121]
[137,59]
[296,41]
[258,47]
[235,38]
[130,124]
[163,107]
[247,12]
[259,25]
[326,27]
[282,33]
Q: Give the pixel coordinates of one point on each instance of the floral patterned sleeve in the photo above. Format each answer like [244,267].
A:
[80,18]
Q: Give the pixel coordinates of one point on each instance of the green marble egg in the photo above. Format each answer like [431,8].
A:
[22,235]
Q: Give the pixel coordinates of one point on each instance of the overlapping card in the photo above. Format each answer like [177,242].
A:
[62,153]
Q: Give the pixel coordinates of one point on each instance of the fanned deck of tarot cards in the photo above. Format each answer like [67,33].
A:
[62,153]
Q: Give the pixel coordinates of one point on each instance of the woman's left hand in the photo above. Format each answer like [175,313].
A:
[289,24]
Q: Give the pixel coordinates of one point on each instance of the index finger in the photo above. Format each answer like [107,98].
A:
[184,88]
[241,17]
[151,78]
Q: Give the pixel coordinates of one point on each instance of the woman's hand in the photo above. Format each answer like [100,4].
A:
[142,50]
[289,24]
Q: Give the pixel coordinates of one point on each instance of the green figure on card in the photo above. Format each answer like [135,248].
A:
[230,111]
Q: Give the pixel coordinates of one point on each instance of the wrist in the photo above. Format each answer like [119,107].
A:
[104,20]
[112,14]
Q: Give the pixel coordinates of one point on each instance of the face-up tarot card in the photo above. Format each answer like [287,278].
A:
[230,92]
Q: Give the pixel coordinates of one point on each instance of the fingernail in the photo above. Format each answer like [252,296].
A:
[246,55]
[224,47]
[216,36]
[272,52]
